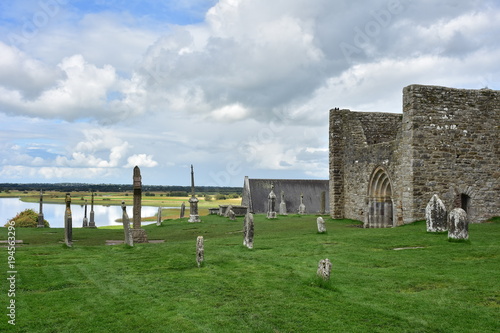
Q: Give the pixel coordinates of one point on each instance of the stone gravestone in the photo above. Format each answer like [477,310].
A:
[183,210]
[283,204]
[92,222]
[324,269]
[85,220]
[248,230]
[193,202]
[200,251]
[271,204]
[458,226]
[139,235]
[68,222]
[435,215]
[41,223]
[226,212]
[231,215]
[321,225]
[302,207]
[158,217]
[129,240]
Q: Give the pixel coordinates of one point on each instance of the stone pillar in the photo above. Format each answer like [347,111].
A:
[321,225]
[200,251]
[248,230]
[85,220]
[139,235]
[183,210]
[324,269]
[283,204]
[129,240]
[92,222]
[458,226]
[435,215]
[302,207]
[158,217]
[68,222]
[41,222]
[193,202]
[271,204]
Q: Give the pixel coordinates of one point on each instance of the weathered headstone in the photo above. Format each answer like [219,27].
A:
[129,240]
[41,223]
[85,220]
[183,210]
[158,217]
[193,202]
[92,222]
[226,212]
[248,230]
[321,225]
[200,251]
[458,226]
[435,215]
[283,204]
[231,215]
[271,204]
[68,222]
[302,207]
[139,235]
[323,203]
[324,269]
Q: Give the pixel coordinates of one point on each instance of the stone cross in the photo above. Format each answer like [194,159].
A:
[193,202]
[248,230]
[92,222]
[302,207]
[158,217]
[129,240]
[321,225]
[283,204]
[139,235]
[200,251]
[68,222]
[271,204]
[85,220]
[324,269]
[41,223]
[435,215]
[183,210]
[458,226]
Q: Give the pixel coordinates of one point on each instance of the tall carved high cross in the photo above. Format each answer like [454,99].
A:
[271,204]
[68,222]
[41,223]
[92,222]
[193,202]
[136,215]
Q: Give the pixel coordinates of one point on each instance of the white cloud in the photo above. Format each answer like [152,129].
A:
[141,160]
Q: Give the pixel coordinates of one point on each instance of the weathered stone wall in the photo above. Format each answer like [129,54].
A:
[455,149]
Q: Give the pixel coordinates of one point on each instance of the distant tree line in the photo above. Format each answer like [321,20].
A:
[170,190]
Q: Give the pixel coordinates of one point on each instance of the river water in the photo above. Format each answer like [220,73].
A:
[54,213]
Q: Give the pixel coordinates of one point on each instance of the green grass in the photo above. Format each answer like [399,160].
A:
[441,287]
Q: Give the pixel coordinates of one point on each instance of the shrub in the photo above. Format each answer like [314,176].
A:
[220,196]
[27,219]
[208,197]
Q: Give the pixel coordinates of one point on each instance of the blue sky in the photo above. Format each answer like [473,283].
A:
[89,89]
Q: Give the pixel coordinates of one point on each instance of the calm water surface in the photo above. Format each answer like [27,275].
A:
[54,213]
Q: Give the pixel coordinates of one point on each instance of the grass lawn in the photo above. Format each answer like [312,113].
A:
[440,286]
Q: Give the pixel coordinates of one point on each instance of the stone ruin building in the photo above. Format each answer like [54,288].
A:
[385,167]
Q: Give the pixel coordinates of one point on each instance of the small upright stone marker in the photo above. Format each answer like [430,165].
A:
[68,222]
[321,225]
[158,217]
[129,240]
[248,230]
[193,202]
[283,204]
[231,215]
[324,269]
[435,215]
[458,226]
[85,220]
[271,204]
[302,207]
[41,223]
[92,222]
[183,210]
[200,251]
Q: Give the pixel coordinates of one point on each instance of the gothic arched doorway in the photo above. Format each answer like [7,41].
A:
[380,207]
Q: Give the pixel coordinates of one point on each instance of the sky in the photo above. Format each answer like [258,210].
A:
[90,89]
